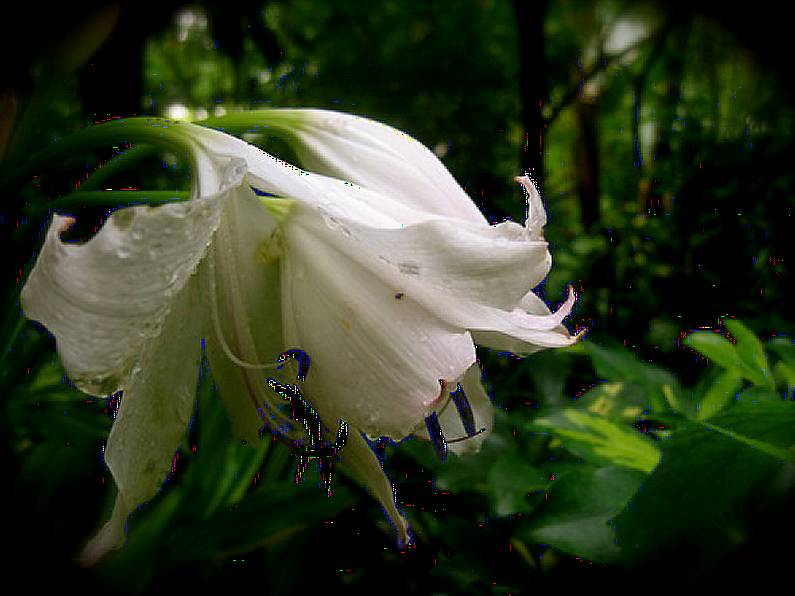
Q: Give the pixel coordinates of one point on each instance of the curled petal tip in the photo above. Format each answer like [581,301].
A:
[527,183]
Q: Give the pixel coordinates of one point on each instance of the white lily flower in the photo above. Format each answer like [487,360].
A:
[377,265]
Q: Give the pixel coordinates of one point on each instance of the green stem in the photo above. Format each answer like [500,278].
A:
[281,122]
[110,198]
[127,159]
[154,131]
[12,338]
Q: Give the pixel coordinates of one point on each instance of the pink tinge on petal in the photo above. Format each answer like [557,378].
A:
[65,222]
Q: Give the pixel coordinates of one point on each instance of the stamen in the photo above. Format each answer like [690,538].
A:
[461,439]
[302,358]
[464,411]
[437,436]
[218,329]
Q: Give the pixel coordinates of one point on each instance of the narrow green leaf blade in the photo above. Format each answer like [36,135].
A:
[598,440]
[715,347]
[751,351]
[722,391]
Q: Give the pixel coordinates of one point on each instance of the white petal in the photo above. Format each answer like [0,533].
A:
[431,265]
[375,156]
[154,413]
[109,537]
[377,357]
[483,412]
[536,214]
[492,265]
[246,309]
[359,461]
[104,299]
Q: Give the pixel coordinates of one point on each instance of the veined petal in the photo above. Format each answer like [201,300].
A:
[336,196]
[375,156]
[491,265]
[245,313]
[438,272]
[359,461]
[154,413]
[104,299]
[377,358]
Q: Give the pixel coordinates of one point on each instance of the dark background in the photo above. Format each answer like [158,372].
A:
[659,135]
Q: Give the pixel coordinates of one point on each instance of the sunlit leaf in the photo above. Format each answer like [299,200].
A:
[617,363]
[719,394]
[724,353]
[750,349]
[599,440]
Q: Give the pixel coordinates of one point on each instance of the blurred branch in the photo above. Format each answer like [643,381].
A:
[602,64]
[638,86]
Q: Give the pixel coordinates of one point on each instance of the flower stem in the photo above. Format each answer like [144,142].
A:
[153,131]
[111,198]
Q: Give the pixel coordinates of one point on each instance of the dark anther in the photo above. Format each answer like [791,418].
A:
[301,357]
[261,193]
[399,295]
[301,411]
[437,437]
[464,411]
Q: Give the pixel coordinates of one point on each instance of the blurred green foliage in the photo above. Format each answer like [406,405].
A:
[646,447]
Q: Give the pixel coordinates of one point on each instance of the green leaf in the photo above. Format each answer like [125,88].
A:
[599,440]
[617,363]
[620,402]
[581,503]
[784,348]
[784,369]
[707,470]
[724,353]
[266,516]
[750,350]
[784,373]
[511,478]
[722,391]
[716,348]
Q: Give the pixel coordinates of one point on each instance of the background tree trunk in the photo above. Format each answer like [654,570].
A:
[532,84]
